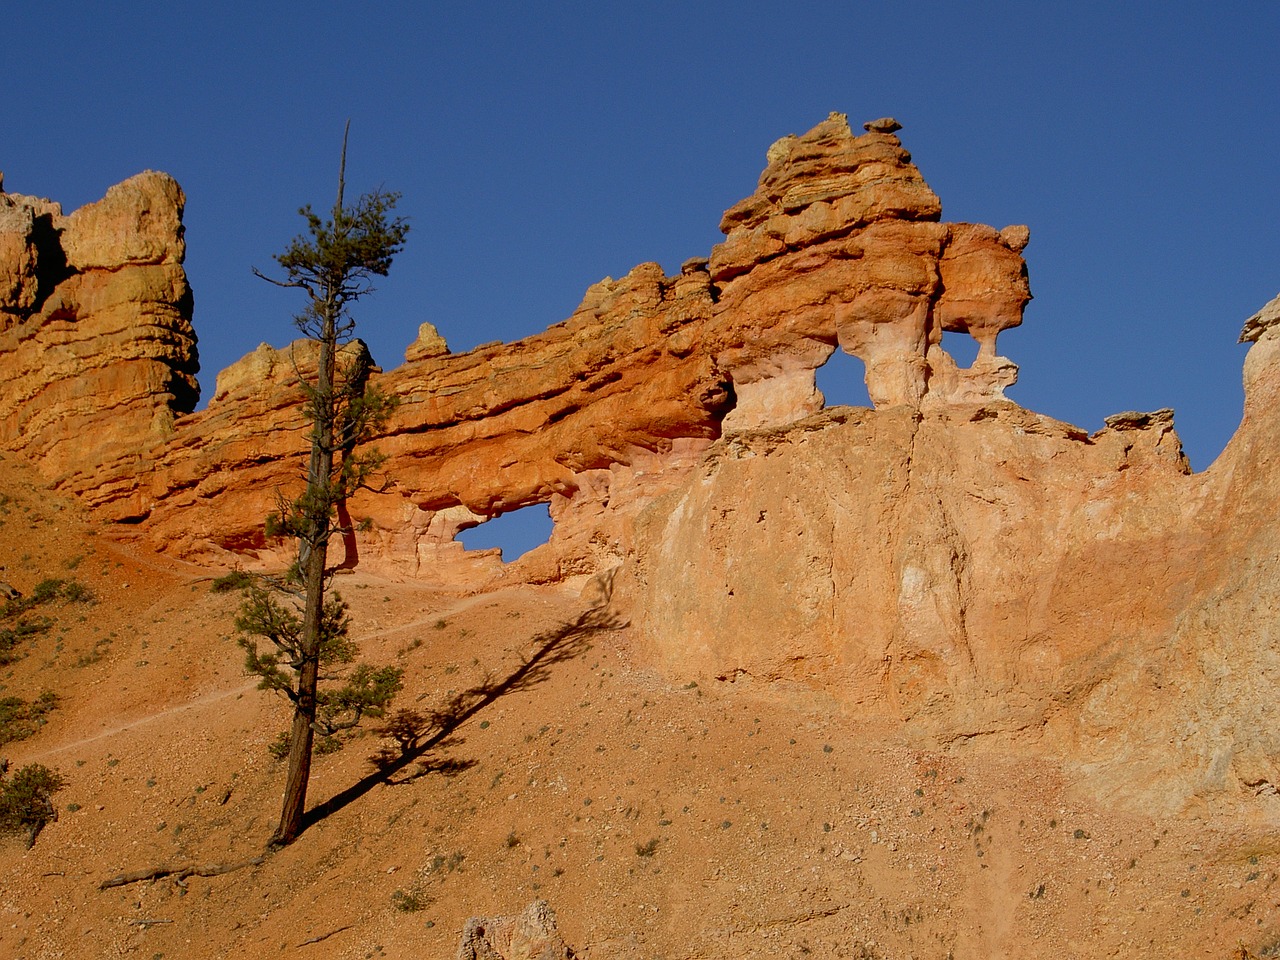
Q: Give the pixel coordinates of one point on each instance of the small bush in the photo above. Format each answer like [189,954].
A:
[447,864]
[19,718]
[21,629]
[235,580]
[45,591]
[26,800]
[323,745]
[13,637]
[647,849]
[279,747]
[95,655]
[409,902]
[76,592]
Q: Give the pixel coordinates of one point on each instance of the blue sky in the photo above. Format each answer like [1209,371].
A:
[541,147]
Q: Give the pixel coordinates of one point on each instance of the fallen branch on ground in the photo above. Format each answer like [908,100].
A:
[178,873]
[324,936]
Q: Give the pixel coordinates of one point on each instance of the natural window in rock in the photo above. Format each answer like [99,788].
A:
[962,348]
[515,532]
[843,381]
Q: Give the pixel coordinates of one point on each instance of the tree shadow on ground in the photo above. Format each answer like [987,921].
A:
[416,734]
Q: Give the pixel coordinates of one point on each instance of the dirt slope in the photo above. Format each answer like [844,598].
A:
[659,821]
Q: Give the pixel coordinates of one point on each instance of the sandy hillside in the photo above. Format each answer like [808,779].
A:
[659,821]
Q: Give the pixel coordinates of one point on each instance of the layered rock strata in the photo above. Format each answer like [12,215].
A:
[839,245]
[97,353]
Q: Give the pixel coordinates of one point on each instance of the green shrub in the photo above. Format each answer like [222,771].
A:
[76,592]
[13,637]
[19,629]
[19,718]
[324,744]
[26,800]
[409,902]
[235,580]
[45,591]
[279,747]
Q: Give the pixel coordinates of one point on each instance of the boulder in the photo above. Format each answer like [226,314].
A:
[530,935]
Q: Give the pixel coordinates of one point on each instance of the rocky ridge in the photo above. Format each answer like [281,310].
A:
[839,245]
[947,561]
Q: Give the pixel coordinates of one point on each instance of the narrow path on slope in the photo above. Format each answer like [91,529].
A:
[217,696]
[146,718]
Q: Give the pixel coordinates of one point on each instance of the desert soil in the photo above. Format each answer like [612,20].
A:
[660,821]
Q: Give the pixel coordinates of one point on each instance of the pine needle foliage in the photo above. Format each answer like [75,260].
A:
[348,694]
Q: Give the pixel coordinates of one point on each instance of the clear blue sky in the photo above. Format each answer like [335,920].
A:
[541,147]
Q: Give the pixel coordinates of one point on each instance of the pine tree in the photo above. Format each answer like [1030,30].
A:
[334,264]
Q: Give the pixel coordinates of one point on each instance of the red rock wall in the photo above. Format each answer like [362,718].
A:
[839,244]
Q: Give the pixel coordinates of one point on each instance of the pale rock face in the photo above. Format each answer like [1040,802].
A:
[984,573]
[17,254]
[778,389]
[1266,319]
[26,225]
[530,935]
[252,374]
[908,562]
[268,374]
[428,345]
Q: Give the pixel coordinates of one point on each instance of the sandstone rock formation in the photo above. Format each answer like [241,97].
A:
[948,560]
[983,573]
[97,353]
[840,244]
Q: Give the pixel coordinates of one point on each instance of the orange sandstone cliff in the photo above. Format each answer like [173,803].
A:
[97,354]
[946,560]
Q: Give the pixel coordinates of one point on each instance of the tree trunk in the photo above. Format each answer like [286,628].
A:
[316,543]
[300,746]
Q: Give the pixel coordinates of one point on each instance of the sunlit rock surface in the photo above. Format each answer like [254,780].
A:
[946,561]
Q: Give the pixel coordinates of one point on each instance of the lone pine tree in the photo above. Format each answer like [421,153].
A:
[334,264]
